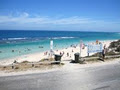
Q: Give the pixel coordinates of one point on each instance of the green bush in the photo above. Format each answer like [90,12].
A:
[115,44]
[118,49]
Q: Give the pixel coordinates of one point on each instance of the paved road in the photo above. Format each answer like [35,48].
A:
[105,77]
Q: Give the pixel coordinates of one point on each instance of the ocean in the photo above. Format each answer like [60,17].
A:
[15,43]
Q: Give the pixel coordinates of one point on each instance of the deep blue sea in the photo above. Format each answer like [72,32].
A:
[25,42]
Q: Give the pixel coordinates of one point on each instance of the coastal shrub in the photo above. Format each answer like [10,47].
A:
[36,66]
[62,63]
[51,59]
[82,62]
[33,65]
[44,59]
[41,60]
[15,61]
[114,44]
[111,53]
[16,67]
[25,62]
[4,67]
[118,49]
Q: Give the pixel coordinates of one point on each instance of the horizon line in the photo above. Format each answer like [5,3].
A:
[58,30]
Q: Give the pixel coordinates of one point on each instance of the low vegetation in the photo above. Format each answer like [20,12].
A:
[26,65]
[115,46]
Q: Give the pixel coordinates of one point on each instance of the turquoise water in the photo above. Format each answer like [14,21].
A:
[25,42]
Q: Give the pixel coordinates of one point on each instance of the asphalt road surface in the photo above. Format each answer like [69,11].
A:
[103,77]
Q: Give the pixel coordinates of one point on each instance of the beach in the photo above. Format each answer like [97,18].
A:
[19,43]
[25,52]
[36,57]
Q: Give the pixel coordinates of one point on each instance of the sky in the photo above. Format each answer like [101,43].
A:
[68,15]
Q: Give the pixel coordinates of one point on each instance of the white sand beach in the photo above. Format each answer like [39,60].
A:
[39,56]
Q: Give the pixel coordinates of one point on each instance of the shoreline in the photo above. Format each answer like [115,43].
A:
[35,57]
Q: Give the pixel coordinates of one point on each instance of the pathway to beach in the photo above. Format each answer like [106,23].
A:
[99,76]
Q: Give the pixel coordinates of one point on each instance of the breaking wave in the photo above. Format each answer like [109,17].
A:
[16,38]
[63,37]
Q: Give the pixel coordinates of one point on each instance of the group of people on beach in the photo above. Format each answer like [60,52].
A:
[27,49]
[67,54]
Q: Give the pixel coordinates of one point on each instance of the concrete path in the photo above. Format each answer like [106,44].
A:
[70,77]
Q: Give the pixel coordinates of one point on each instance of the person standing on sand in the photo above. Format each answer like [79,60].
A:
[63,52]
[72,50]
[103,53]
[60,53]
[67,54]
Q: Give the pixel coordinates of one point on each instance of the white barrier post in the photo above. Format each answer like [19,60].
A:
[88,49]
[80,47]
[51,47]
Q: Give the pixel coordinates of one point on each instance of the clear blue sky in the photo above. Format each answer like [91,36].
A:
[82,15]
